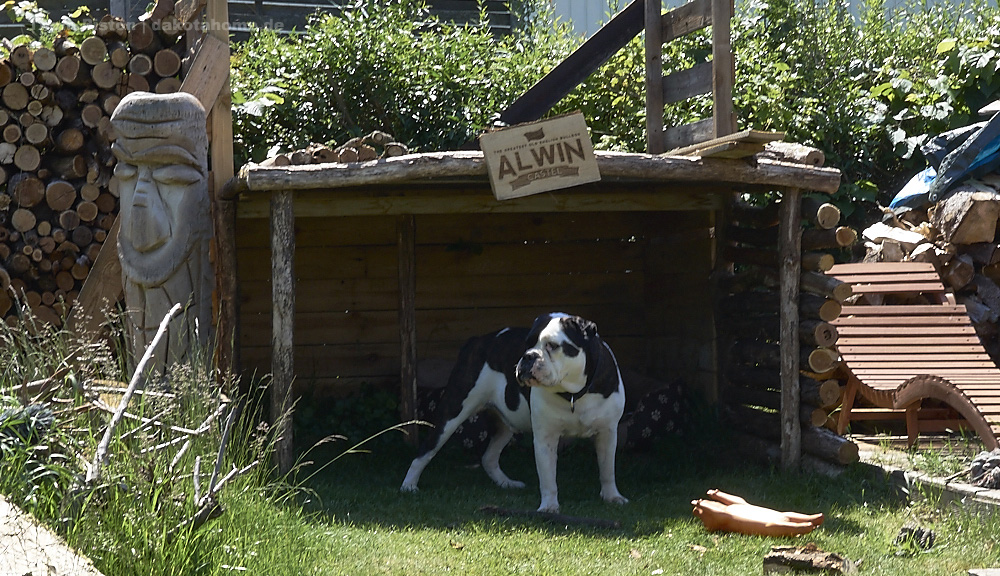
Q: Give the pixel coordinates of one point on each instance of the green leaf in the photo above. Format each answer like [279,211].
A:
[882,89]
[946,45]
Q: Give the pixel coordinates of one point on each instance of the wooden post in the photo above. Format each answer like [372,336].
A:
[654,77]
[723,68]
[223,213]
[791,266]
[405,233]
[282,324]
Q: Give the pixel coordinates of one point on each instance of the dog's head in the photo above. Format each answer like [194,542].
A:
[559,349]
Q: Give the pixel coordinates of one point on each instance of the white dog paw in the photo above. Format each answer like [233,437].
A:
[549,508]
[408,488]
[615,499]
[511,484]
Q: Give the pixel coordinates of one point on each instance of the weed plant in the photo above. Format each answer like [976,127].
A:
[137,519]
[950,458]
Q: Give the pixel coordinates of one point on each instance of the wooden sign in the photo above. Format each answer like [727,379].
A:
[539,156]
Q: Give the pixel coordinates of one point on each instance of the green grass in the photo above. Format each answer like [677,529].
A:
[371,528]
[350,518]
[343,513]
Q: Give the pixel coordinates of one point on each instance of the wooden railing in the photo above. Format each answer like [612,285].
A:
[715,77]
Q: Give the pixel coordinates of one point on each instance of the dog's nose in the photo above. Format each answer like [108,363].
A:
[524,366]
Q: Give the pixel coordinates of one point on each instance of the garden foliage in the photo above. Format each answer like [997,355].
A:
[385,66]
[867,86]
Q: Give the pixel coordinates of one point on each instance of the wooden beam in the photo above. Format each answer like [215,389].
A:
[406,257]
[688,134]
[597,50]
[373,202]
[654,77]
[791,267]
[101,290]
[210,77]
[686,83]
[723,68]
[470,166]
[282,326]
[188,11]
[209,74]
[685,19]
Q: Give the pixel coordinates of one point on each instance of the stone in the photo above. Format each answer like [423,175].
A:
[28,548]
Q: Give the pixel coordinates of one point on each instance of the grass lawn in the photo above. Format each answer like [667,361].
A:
[351,519]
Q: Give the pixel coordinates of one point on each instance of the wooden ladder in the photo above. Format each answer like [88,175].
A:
[716,77]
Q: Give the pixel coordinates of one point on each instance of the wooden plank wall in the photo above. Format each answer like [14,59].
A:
[642,276]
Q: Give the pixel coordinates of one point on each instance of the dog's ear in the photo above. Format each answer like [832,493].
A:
[590,329]
[536,330]
[584,333]
[585,328]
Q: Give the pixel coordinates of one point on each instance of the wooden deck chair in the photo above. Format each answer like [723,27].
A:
[896,356]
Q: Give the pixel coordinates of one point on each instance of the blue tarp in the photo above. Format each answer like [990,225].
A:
[972,151]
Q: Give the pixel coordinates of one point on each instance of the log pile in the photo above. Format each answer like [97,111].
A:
[361,149]
[958,235]
[59,197]
[748,320]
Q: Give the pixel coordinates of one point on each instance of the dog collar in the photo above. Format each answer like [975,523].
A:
[572,397]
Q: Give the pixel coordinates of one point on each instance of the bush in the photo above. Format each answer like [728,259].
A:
[867,89]
[136,518]
[381,66]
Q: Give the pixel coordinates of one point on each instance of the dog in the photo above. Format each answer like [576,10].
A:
[558,378]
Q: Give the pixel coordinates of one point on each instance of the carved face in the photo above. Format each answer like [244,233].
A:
[154,195]
[161,205]
[161,174]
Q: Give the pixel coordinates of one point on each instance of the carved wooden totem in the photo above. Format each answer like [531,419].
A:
[166,224]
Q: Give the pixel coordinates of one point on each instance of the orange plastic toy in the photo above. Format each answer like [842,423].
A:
[730,513]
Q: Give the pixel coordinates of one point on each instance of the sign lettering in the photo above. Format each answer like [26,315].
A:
[540,157]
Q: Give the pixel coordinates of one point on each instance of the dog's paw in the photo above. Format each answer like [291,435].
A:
[408,488]
[614,498]
[513,484]
[549,508]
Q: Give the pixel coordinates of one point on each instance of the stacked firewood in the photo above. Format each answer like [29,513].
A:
[59,199]
[748,320]
[361,149]
[958,235]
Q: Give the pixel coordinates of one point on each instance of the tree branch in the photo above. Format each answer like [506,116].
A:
[101,456]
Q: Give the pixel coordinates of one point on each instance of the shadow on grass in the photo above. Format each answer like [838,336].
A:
[363,489]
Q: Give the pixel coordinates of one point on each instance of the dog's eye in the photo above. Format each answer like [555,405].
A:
[551,346]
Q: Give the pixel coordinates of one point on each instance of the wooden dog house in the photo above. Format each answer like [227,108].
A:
[352,273]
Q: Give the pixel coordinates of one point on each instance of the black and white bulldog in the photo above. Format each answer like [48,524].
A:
[556,379]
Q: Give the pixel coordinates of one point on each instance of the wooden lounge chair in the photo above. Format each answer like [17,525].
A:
[920,360]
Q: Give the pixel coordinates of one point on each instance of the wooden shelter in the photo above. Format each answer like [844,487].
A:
[353,273]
